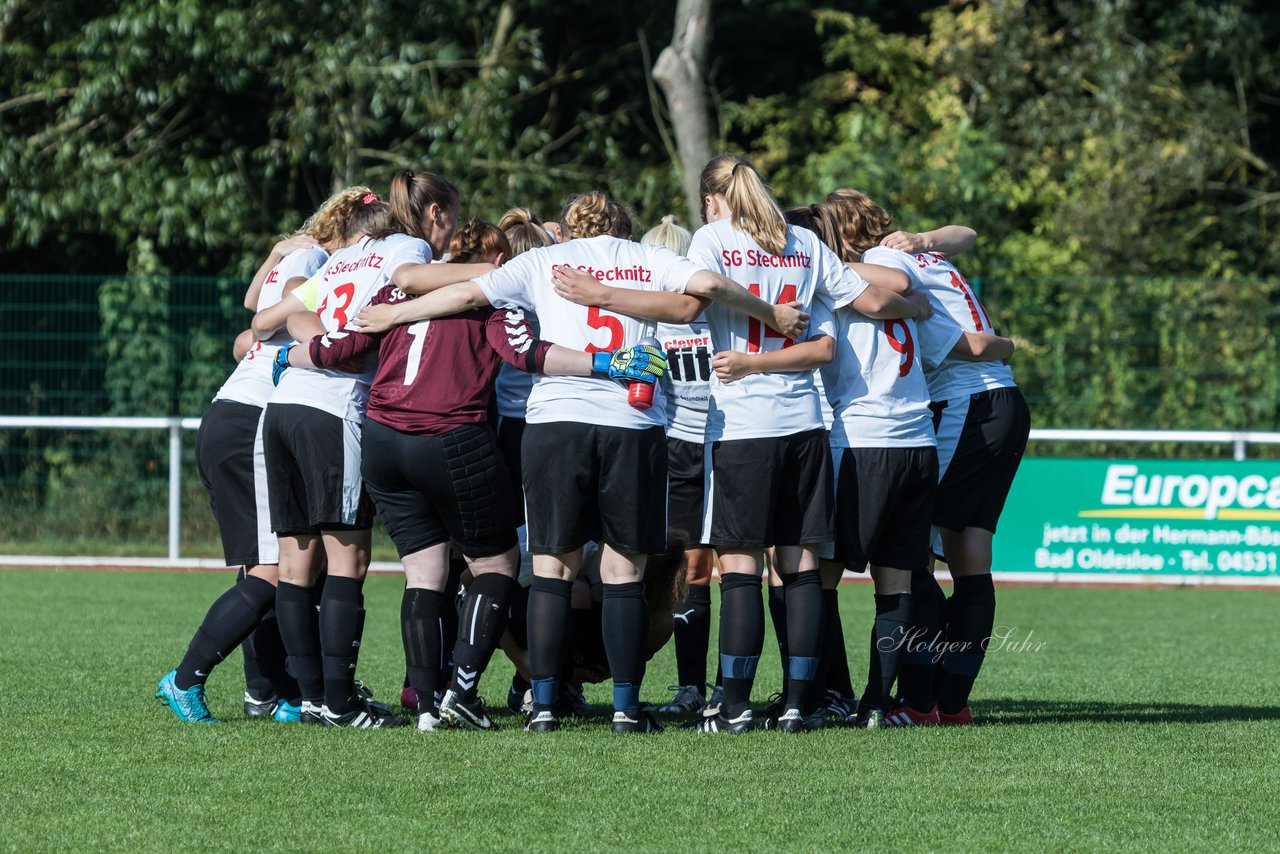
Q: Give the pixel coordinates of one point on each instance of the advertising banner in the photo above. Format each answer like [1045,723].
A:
[1128,519]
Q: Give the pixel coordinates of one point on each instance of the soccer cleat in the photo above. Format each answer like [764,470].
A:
[572,700]
[964,717]
[286,712]
[542,721]
[838,706]
[689,699]
[719,723]
[772,711]
[905,716]
[519,702]
[456,711]
[428,722]
[311,713]
[363,716]
[712,708]
[188,705]
[364,692]
[869,718]
[793,720]
[255,708]
[641,722]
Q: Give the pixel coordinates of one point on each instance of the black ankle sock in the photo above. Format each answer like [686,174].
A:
[300,631]
[741,638]
[693,636]
[420,633]
[228,622]
[549,607]
[916,670]
[971,614]
[624,621]
[803,599]
[483,620]
[888,633]
[341,617]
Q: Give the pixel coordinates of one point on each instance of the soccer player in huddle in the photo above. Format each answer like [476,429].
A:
[981,423]
[231,457]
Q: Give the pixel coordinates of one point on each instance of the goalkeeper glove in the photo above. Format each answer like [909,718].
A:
[642,363]
[281,363]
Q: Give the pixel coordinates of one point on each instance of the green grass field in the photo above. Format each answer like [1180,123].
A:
[1149,719]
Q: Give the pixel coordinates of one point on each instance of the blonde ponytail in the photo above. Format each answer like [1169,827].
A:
[524,231]
[669,234]
[751,202]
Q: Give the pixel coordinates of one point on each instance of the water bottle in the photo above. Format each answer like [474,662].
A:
[640,394]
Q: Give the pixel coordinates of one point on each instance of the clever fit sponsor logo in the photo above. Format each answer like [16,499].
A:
[1130,492]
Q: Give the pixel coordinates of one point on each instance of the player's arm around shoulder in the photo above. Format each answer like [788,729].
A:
[579,286]
[453,299]
[983,347]
[731,365]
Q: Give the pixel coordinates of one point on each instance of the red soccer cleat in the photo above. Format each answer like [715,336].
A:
[905,716]
[964,717]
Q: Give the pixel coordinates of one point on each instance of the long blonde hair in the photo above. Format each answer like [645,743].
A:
[592,214]
[345,214]
[858,221]
[750,200]
[524,231]
[670,234]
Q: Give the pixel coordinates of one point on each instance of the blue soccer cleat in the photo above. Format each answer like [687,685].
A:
[188,705]
[286,712]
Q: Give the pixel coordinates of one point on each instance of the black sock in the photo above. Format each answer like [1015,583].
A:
[624,621]
[916,673]
[256,682]
[300,631]
[835,654]
[777,598]
[264,656]
[483,620]
[803,592]
[693,636]
[893,618]
[741,639]
[549,607]
[971,616]
[228,622]
[421,632]
[341,617]
[449,613]
[518,616]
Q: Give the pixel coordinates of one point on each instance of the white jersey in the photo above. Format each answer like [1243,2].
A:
[351,278]
[771,404]
[939,280]
[687,383]
[876,382]
[512,387]
[525,282]
[250,382]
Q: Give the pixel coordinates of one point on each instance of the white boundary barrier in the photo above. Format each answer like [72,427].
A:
[1239,440]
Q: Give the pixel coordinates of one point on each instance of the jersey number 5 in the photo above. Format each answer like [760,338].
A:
[596,320]
[755,327]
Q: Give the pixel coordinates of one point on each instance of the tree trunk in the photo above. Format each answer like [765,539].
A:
[681,71]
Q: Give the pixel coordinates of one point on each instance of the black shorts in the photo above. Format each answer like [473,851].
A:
[981,439]
[510,436]
[884,506]
[430,489]
[775,491]
[234,472]
[313,471]
[585,482]
[685,483]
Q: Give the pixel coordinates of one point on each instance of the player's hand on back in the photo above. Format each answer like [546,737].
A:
[293,244]
[578,286]
[373,319]
[904,241]
[921,303]
[790,320]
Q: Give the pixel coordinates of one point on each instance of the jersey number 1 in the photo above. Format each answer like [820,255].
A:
[419,333]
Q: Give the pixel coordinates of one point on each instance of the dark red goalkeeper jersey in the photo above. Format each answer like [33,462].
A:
[436,375]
